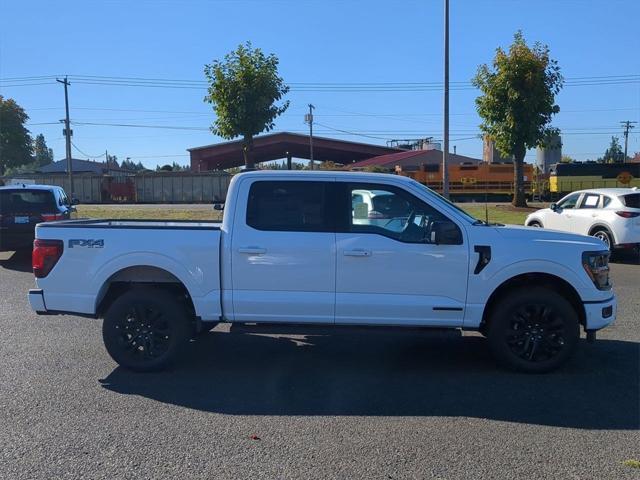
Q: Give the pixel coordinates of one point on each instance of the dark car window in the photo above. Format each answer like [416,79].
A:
[289,206]
[632,200]
[605,201]
[25,200]
[570,201]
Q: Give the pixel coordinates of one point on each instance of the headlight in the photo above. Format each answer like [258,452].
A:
[596,264]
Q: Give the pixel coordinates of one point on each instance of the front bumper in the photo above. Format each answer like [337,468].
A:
[36,300]
[600,314]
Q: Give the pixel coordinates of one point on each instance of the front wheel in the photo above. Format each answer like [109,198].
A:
[535,224]
[145,329]
[533,330]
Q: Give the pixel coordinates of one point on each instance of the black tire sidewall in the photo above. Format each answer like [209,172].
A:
[175,316]
[501,318]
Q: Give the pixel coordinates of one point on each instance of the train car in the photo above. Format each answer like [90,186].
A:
[569,177]
[473,181]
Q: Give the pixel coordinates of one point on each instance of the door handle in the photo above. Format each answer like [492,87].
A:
[252,250]
[357,253]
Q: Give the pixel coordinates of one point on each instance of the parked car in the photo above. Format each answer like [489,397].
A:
[293,249]
[609,214]
[22,207]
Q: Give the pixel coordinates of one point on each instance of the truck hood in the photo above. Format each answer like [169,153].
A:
[552,237]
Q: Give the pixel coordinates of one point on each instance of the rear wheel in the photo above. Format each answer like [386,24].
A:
[145,329]
[605,236]
[534,330]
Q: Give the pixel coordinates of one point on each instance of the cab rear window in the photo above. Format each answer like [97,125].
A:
[632,200]
[25,200]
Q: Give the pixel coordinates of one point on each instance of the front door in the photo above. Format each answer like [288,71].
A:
[283,253]
[388,271]
[561,218]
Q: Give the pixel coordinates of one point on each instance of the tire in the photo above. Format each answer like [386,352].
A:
[604,235]
[146,329]
[533,330]
[535,223]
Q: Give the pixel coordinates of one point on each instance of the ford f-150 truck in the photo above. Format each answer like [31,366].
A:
[331,248]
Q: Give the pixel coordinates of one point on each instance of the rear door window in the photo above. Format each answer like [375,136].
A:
[289,206]
[632,200]
[590,200]
[27,201]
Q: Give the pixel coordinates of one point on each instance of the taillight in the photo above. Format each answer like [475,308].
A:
[46,254]
[51,217]
[624,214]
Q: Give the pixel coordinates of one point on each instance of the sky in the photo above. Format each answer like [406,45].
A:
[374,50]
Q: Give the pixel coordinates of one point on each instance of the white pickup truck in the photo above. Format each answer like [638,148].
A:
[331,248]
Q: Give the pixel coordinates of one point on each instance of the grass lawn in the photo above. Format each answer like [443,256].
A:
[501,213]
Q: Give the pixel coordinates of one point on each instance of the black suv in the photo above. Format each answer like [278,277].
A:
[24,206]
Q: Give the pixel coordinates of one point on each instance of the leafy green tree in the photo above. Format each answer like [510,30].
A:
[614,153]
[16,145]
[567,159]
[518,102]
[244,90]
[43,154]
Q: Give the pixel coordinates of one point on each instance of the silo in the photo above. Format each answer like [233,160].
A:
[490,154]
[549,154]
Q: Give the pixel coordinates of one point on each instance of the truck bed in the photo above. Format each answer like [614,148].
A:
[97,252]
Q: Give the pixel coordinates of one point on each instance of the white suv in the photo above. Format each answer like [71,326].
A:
[610,214]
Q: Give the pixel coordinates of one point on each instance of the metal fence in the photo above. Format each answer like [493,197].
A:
[166,187]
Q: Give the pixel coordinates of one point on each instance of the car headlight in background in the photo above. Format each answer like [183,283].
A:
[596,264]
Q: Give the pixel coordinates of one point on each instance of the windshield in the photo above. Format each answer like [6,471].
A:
[463,213]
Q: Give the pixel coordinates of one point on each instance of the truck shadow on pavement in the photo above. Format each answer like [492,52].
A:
[392,373]
[19,261]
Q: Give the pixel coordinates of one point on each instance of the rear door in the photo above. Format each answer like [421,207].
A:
[586,213]
[283,252]
[387,270]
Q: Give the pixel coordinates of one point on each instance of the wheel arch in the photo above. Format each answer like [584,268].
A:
[546,280]
[603,226]
[137,276]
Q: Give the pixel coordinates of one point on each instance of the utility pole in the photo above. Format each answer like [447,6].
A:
[309,119]
[445,150]
[627,126]
[67,132]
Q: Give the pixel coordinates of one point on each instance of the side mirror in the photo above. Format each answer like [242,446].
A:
[445,233]
[75,201]
[218,206]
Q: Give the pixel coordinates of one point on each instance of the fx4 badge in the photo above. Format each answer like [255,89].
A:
[86,243]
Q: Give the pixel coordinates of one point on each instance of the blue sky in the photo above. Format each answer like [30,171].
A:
[326,41]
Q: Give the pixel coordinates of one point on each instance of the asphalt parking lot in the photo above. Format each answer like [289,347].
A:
[346,404]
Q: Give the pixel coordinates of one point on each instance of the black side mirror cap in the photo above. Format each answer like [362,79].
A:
[445,233]
[553,207]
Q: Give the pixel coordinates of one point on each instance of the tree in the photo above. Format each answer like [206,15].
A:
[244,90]
[614,153]
[112,160]
[16,145]
[43,154]
[567,159]
[518,102]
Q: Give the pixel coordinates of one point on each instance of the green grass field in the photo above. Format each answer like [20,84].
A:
[501,213]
